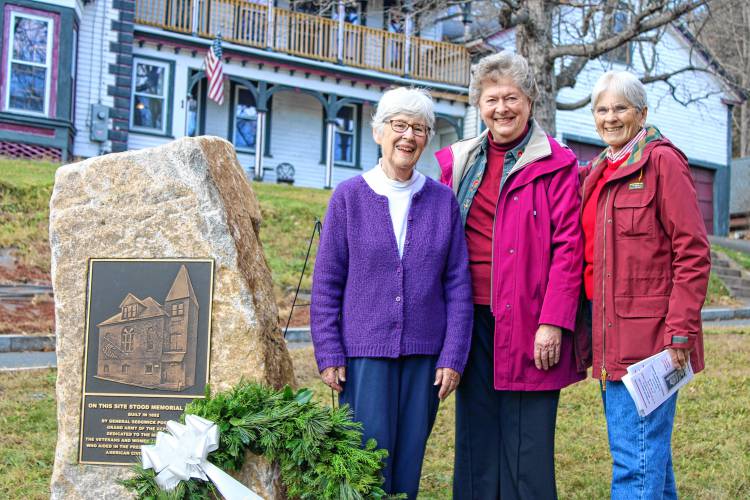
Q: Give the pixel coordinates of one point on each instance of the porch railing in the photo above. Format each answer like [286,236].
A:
[314,37]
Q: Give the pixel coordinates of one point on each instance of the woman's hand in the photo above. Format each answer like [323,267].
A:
[547,346]
[679,357]
[334,376]
[448,380]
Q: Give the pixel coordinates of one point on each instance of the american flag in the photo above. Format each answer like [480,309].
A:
[214,72]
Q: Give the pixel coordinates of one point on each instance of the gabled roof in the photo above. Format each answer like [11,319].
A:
[151,309]
[182,288]
[131,299]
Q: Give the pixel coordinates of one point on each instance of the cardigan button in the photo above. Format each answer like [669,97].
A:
[507,306]
[398,298]
[515,198]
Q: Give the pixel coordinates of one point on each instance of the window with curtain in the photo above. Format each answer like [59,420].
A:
[149,96]
[30,40]
[245,119]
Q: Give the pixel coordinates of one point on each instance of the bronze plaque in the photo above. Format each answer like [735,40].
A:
[148,325]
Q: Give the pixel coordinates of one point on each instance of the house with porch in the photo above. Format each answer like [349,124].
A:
[86,77]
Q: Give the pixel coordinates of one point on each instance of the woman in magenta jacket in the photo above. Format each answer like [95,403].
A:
[647,262]
[517,189]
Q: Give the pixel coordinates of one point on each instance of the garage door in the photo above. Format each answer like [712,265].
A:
[584,152]
[704,186]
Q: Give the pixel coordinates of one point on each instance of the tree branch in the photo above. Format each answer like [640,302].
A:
[646,79]
[642,22]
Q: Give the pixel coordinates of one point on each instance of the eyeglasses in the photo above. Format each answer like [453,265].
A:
[400,127]
[617,110]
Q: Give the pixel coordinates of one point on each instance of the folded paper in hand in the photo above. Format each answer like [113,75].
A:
[652,381]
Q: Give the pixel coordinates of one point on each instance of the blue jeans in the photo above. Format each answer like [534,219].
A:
[641,447]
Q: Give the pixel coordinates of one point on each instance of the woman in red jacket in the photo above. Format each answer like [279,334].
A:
[647,261]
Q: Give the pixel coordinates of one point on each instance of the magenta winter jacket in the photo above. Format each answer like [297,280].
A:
[537,257]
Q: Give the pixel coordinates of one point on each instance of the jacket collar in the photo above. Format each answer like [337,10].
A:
[465,152]
[537,148]
[638,156]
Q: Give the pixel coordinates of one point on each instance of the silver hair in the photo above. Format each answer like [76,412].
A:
[504,64]
[621,83]
[410,101]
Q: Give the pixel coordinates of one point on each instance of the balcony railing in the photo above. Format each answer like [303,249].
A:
[313,37]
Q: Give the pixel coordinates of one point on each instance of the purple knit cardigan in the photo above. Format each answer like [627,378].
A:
[366,302]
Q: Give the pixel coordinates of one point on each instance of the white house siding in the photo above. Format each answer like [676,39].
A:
[93,77]
[296,118]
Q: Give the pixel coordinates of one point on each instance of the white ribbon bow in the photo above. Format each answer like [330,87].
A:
[182,453]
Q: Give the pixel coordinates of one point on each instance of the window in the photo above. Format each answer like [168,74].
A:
[29,69]
[345,135]
[150,338]
[130,311]
[124,368]
[149,368]
[150,92]
[245,119]
[126,339]
[178,309]
[622,53]
[175,341]
[106,368]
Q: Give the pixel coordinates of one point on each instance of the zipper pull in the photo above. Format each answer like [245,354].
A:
[604,378]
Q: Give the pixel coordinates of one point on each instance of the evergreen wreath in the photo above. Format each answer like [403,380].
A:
[318,448]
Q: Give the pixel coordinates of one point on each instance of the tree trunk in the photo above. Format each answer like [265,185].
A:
[744,148]
[533,41]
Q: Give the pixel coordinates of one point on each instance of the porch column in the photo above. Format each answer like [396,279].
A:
[340,38]
[407,45]
[194,18]
[270,22]
[260,144]
[330,133]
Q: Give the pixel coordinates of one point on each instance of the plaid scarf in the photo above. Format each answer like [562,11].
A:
[622,153]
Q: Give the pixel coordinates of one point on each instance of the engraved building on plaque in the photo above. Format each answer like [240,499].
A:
[151,345]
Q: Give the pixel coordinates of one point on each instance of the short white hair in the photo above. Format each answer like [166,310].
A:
[623,84]
[410,101]
[504,64]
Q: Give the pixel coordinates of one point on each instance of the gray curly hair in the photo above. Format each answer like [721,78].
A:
[409,101]
[504,64]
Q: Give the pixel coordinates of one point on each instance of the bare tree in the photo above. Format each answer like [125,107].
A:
[727,36]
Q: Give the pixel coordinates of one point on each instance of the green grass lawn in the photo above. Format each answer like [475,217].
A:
[25,188]
[740,258]
[288,217]
[711,436]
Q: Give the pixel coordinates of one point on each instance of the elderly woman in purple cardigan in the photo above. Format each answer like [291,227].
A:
[391,311]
